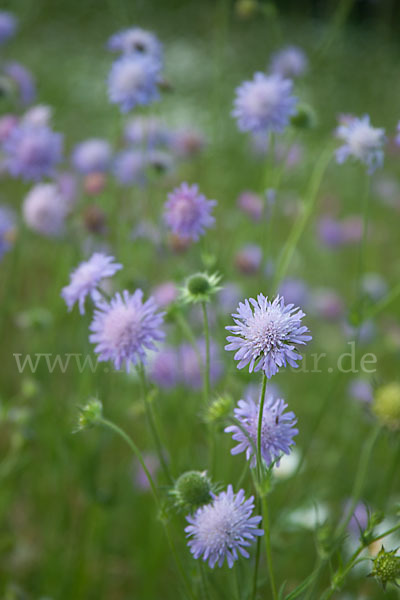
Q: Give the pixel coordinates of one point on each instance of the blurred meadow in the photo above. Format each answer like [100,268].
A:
[77,518]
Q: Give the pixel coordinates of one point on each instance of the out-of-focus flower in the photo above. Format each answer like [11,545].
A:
[361,390]
[192,371]
[295,291]
[85,279]
[44,209]
[248,259]
[8,26]
[229,297]
[32,152]
[264,104]
[266,334]
[38,116]
[160,161]
[91,156]
[7,229]
[165,293]
[288,465]
[374,285]
[386,405]
[397,138]
[125,328]
[140,478]
[362,142]
[330,232]
[364,333]
[68,187]
[187,212]
[359,518]
[187,142]
[130,167]
[146,132]
[165,369]
[94,183]
[7,124]
[133,81]
[352,229]
[23,80]
[327,304]
[136,41]
[277,430]
[289,62]
[252,204]
[224,528]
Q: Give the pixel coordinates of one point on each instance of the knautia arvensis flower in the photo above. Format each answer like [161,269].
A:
[266,334]
[223,529]
[361,141]
[386,567]
[277,430]
[187,212]
[133,81]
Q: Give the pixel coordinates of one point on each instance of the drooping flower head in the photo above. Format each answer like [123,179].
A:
[362,142]
[124,328]
[289,62]
[133,81]
[264,104]
[277,432]
[136,41]
[92,156]
[32,152]
[7,229]
[8,26]
[266,334]
[85,279]
[188,213]
[223,529]
[44,209]
[23,80]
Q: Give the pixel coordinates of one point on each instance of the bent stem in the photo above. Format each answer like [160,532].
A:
[113,427]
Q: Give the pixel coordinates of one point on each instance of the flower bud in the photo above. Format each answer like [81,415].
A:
[386,405]
[90,414]
[219,409]
[192,489]
[304,118]
[386,567]
[200,287]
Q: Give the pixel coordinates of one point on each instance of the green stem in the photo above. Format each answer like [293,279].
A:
[204,582]
[110,425]
[259,427]
[267,538]
[363,246]
[207,386]
[257,561]
[188,333]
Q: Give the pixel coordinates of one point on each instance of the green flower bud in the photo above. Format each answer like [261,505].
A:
[200,287]
[386,405]
[219,409]
[305,117]
[192,489]
[386,567]
[90,414]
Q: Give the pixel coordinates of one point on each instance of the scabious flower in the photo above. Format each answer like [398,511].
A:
[187,213]
[223,529]
[32,152]
[264,104]
[44,209]
[277,430]
[248,259]
[85,279]
[38,116]
[165,368]
[133,81]
[266,334]
[124,328]
[130,167]
[289,62]
[8,26]
[136,41]
[7,124]
[92,156]
[252,204]
[23,80]
[362,142]
[7,229]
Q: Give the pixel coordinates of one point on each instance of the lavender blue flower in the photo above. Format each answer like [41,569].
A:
[130,167]
[124,328]
[44,209]
[133,81]
[248,259]
[92,156]
[165,368]
[289,62]
[295,291]
[192,371]
[7,124]
[223,529]
[85,279]
[136,41]
[8,26]
[7,229]
[23,80]
[38,116]
[147,132]
[32,152]
[362,142]
[276,434]
[187,213]
[264,104]
[266,334]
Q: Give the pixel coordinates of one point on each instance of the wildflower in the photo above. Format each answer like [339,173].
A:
[94,219]
[327,304]
[264,104]
[200,287]
[192,490]
[124,328]
[386,567]
[223,528]
[361,390]
[386,405]
[187,143]
[7,229]
[38,116]
[187,213]
[289,62]
[362,141]
[277,430]
[248,259]
[23,80]
[252,204]
[266,334]
[92,156]
[44,209]
[7,124]
[295,291]
[133,81]
[8,26]
[192,371]
[165,293]
[130,167]
[146,132]
[86,278]
[136,41]
[32,152]
[165,368]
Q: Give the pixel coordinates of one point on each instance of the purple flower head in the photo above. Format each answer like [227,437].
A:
[32,152]
[44,209]
[295,291]
[124,328]
[7,229]
[146,132]
[187,213]
[130,167]
[327,304]
[397,137]
[289,62]
[229,297]
[362,142]
[165,368]
[277,432]
[38,116]
[264,104]
[86,278]
[266,334]
[192,371]
[248,259]
[8,26]
[165,293]
[223,528]
[133,81]
[359,518]
[330,232]
[136,41]
[252,204]
[23,80]
[7,124]
[92,156]
[361,390]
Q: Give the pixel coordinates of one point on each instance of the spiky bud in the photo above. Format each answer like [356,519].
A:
[386,567]
[90,414]
[386,405]
[200,287]
[304,118]
[192,490]
[219,409]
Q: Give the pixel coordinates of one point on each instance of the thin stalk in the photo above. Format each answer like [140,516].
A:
[207,386]
[188,333]
[257,561]
[259,427]
[267,538]
[203,576]
[363,246]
